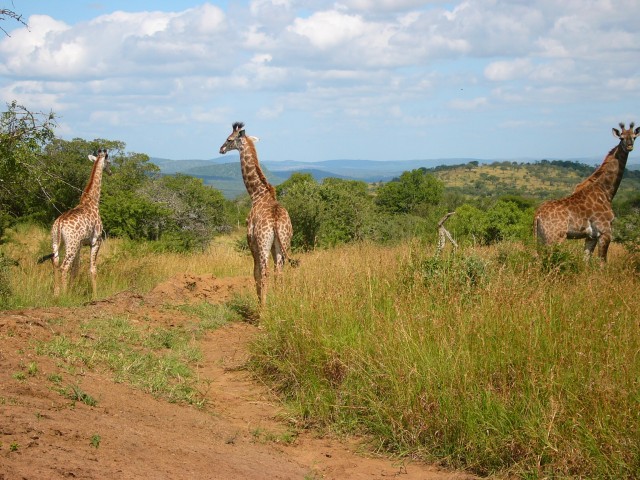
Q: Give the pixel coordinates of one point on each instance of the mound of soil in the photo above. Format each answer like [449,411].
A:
[240,434]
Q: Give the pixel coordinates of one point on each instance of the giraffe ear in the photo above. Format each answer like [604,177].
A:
[616,132]
[254,139]
[241,133]
[636,132]
[92,158]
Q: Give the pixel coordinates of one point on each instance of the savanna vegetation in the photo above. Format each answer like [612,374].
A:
[492,357]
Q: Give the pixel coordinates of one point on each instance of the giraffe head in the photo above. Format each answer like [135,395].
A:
[626,137]
[102,154]
[233,140]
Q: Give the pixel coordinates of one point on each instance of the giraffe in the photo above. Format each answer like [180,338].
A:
[79,226]
[268,224]
[587,212]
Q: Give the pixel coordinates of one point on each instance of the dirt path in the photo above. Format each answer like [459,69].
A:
[44,435]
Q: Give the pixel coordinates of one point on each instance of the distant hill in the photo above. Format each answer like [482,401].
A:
[225,177]
[473,177]
[540,180]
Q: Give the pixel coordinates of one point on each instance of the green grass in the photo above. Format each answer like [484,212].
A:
[158,360]
[485,360]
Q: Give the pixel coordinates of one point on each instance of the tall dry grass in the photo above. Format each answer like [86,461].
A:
[122,265]
[489,360]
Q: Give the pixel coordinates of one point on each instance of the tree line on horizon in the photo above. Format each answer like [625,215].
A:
[42,176]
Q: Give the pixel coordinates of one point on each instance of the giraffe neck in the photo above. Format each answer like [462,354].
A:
[609,174]
[252,175]
[91,192]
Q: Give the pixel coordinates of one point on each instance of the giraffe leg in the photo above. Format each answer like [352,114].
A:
[56,273]
[278,257]
[260,261]
[75,266]
[93,267]
[589,246]
[55,248]
[71,254]
[603,246]
[260,274]
[64,278]
[264,244]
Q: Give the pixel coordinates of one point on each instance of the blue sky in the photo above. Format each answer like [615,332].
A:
[319,80]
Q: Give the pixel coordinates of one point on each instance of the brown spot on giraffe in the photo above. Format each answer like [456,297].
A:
[268,224]
[79,226]
[587,212]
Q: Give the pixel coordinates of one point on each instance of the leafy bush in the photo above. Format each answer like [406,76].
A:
[504,220]
[410,192]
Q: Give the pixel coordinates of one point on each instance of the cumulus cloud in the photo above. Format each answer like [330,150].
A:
[329,29]
[508,69]
[362,59]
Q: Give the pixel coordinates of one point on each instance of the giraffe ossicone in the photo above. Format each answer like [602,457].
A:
[587,213]
[269,229]
[79,226]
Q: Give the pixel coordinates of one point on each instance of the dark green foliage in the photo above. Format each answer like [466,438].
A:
[68,169]
[347,211]
[23,136]
[504,220]
[300,194]
[342,211]
[327,214]
[179,211]
[627,226]
[412,192]
[42,176]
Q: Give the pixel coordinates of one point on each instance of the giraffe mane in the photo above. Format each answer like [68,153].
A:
[89,186]
[261,175]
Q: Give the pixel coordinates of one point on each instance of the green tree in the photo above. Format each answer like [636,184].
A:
[23,137]
[469,222]
[68,170]
[347,211]
[300,195]
[414,192]
[506,221]
[187,213]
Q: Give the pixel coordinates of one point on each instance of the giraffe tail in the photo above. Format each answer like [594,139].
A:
[55,230]
[45,258]
[294,262]
[285,248]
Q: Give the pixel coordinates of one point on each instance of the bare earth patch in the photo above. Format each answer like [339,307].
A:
[131,434]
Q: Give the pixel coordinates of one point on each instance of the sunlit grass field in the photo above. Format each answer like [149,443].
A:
[496,360]
[491,360]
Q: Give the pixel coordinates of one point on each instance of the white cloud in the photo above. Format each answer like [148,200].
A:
[325,61]
[385,5]
[508,69]
[329,28]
